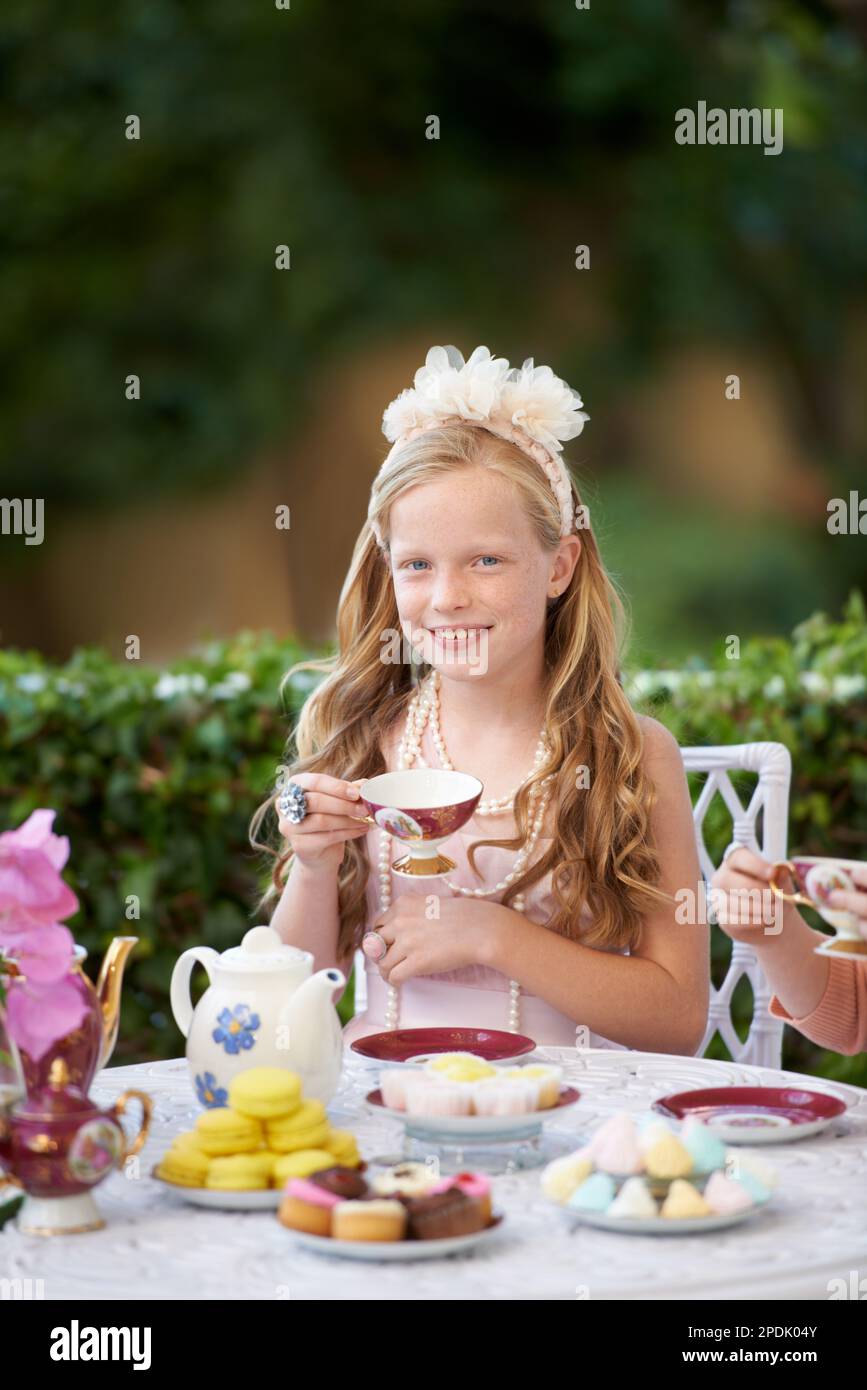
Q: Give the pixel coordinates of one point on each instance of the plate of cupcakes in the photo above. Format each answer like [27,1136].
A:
[240,1156]
[646,1178]
[462,1096]
[406,1212]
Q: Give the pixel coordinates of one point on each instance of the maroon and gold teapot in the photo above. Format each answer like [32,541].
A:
[57,1145]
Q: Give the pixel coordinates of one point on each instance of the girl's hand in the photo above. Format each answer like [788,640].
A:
[853,902]
[427,934]
[335,814]
[750,909]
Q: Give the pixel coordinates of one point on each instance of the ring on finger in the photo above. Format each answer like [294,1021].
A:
[374,945]
[292,803]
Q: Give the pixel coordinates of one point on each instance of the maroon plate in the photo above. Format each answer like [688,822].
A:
[752,1106]
[402,1043]
[568,1096]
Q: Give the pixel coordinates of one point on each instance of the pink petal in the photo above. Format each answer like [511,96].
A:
[38,1017]
[36,833]
[30,882]
[44,955]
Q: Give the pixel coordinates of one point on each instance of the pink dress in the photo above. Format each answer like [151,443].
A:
[474,996]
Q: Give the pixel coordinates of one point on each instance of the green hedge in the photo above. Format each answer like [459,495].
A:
[154,776]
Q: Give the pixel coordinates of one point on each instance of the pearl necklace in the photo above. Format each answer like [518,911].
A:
[424,706]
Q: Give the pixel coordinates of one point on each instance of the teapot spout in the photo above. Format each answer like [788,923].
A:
[313,1028]
[108,989]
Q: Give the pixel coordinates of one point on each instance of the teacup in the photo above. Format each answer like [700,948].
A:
[421,806]
[815,878]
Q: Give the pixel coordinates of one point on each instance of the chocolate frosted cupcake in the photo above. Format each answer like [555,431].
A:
[450,1213]
[341,1182]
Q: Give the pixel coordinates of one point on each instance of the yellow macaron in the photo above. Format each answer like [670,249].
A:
[184,1167]
[265,1092]
[224,1131]
[237,1172]
[306,1128]
[188,1141]
[341,1144]
[300,1165]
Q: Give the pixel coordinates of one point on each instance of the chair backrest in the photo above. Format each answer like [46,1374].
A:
[773,765]
[770,796]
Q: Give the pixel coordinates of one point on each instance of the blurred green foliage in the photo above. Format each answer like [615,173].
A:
[154,777]
[306,127]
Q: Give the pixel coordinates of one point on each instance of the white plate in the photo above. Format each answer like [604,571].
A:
[659,1225]
[395,1249]
[254,1199]
[470,1127]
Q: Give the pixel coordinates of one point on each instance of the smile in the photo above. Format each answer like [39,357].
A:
[455,634]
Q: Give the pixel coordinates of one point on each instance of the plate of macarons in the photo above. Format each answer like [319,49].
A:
[463,1096]
[240,1156]
[645,1177]
[405,1212]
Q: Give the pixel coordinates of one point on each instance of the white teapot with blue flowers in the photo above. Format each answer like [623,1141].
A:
[265,1008]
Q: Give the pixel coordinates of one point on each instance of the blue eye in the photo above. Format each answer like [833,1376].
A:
[490,557]
[410,563]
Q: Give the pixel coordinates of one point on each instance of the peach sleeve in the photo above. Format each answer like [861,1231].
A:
[839,1020]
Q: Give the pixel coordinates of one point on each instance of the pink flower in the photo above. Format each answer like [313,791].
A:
[32,893]
[37,1015]
[44,954]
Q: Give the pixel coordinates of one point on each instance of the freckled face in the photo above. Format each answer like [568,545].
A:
[464,557]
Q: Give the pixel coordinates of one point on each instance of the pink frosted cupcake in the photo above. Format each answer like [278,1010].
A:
[497,1097]
[424,1096]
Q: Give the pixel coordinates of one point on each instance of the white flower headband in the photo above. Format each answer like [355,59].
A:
[529,406]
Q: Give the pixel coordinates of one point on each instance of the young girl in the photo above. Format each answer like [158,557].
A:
[824,997]
[559,918]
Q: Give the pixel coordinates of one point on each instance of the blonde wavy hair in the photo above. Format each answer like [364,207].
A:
[601,853]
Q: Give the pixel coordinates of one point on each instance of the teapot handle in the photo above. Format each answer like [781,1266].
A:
[119,1108]
[182,1004]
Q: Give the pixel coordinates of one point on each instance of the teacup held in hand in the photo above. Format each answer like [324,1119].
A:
[421,806]
[815,879]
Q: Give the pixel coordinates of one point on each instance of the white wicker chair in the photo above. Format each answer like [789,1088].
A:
[772,762]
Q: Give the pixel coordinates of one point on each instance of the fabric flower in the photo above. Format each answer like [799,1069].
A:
[542,405]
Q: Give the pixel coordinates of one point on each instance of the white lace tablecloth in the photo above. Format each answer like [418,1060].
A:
[156,1246]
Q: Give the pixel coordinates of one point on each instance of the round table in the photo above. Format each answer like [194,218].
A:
[156,1246]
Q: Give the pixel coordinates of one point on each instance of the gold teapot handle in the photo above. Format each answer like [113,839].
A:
[119,1108]
[798,897]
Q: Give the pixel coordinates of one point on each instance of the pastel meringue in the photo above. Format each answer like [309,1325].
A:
[633,1200]
[596,1193]
[723,1195]
[684,1201]
[668,1158]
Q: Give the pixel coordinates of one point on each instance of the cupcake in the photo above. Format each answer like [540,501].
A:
[443,1214]
[475,1185]
[342,1182]
[459,1066]
[496,1097]
[549,1079]
[382,1218]
[425,1096]
[307,1206]
[404,1180]
[392,1085]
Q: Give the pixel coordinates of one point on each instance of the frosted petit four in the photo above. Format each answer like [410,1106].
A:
[723,1195]
[562,1175]
[684,1201]
[668,1158]
[616,1150]
[596,1193]
[633,1201]
[707,1150]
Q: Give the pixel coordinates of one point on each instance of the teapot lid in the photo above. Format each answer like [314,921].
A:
[261,949]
